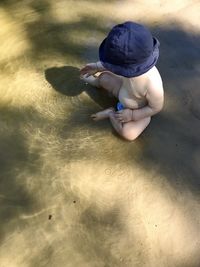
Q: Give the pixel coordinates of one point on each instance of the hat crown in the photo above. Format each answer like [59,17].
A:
[128,43]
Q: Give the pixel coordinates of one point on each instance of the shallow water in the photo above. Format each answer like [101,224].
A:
[73,193]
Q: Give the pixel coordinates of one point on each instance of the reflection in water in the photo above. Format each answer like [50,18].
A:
[71,192]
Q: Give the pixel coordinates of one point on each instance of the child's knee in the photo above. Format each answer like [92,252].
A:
[129,136]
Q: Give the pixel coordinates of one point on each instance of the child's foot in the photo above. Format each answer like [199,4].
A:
[92,80]
[101,115]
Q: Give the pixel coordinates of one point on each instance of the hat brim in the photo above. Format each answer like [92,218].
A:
[130,70]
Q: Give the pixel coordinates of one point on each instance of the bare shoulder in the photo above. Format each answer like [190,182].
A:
[154,79]
[150,79]
[155,92]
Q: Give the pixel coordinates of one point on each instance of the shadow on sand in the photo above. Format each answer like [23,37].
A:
[66,81]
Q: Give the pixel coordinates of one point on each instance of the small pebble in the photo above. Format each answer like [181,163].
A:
[50,216]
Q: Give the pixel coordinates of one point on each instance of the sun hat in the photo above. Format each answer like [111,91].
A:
[129,50]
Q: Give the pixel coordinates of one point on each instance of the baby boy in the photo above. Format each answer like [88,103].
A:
[127,70]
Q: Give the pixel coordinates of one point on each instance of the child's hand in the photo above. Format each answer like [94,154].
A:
[89,69]
[124,115]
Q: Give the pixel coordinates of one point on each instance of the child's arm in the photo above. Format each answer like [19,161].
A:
[92,68]
[155,99]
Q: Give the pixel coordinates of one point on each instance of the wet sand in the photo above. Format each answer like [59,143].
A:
[72,193]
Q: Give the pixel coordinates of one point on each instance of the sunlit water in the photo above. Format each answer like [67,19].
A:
[72,192]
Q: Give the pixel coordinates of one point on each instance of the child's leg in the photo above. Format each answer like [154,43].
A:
[101,115]
[106,80]
[129,130]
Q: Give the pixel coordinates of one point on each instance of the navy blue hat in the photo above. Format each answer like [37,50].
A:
[129,50]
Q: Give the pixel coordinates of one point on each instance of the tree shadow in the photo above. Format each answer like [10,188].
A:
[98,225]
[89,237]
[15,160]
[172,139]
[179,49]
[50,38]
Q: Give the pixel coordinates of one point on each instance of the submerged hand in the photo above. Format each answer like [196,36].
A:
[124,115]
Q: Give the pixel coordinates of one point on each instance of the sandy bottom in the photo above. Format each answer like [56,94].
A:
[72,193]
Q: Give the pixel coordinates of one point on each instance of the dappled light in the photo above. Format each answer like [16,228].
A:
[72,192]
